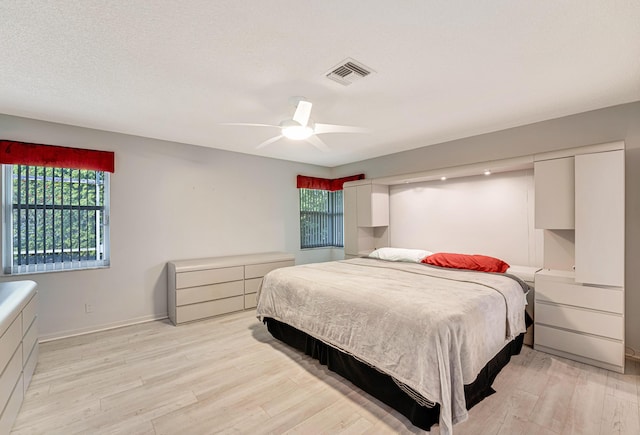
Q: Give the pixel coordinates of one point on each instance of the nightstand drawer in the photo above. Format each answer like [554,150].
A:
[211,292]
[606,325]
[599,349]
[210,276]
[597,298]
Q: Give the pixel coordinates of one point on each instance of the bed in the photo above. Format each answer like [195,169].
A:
[426,340]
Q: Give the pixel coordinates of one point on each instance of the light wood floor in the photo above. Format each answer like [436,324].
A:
[228,375]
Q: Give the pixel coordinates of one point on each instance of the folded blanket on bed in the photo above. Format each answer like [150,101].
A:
[432,329]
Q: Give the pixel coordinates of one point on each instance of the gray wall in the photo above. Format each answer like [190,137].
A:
[169,201]
[206,202]
[598,126]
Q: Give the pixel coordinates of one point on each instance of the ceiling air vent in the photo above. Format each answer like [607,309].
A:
[348,71]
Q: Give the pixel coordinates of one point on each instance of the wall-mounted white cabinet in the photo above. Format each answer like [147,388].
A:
[373,205]
[600,218]
[554,194]
[580,314]
[366,217]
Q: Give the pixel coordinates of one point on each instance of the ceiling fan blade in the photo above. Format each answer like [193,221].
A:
[317,142]
[269,141]
[248,124]
[332,128]
[303,111]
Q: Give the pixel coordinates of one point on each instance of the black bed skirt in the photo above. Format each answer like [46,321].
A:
[382,386]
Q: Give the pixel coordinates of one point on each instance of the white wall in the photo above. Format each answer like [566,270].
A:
[488,215]
[599,126]
[169,201]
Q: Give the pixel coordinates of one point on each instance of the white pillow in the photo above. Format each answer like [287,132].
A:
[400,254]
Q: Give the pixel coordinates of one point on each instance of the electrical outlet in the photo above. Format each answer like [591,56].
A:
[88,308]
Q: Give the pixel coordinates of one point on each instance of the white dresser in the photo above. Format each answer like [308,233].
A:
[208,287]
[18,346]
[579,321]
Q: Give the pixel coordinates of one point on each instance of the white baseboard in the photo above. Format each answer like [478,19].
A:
[106,327]
[632,354]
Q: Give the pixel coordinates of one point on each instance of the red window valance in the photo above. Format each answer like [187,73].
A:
[22,153]
[332,185]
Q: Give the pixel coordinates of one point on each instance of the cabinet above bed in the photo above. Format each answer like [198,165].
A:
[366,217]
[554,199]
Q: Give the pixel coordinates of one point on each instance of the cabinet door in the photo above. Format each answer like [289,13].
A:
[554,194]
[373,205]
[600,218]
[350,220]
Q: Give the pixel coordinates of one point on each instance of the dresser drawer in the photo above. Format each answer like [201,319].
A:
[188,313]
[10,412]
[599,349]
[29,312]
[606,325]
[30,366]
[597,298]
[10,340]
[10,377]
[209,276]
[260,270]
[211,292]
[29,340]
[250,300]
[252,285]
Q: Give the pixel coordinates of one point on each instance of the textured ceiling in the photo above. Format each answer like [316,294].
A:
[177,70]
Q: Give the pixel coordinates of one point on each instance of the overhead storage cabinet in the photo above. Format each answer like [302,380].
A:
[373,205]
[555,186]
[600,218]
[366,217]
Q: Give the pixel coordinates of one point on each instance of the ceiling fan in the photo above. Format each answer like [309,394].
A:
[300,127]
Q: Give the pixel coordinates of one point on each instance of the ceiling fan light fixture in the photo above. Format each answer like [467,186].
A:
[297,132]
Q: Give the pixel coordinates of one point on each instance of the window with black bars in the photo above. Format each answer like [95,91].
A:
[321,218]
[58,218]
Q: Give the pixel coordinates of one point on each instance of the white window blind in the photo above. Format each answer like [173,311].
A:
[321,218]
[54,219]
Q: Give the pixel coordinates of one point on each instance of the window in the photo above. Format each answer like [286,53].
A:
[54,218]
[321,220]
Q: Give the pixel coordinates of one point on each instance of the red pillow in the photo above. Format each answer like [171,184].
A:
[462,261]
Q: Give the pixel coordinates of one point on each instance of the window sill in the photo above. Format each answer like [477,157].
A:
[40,272]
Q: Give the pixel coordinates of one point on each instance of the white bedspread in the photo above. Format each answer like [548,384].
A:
[432,329]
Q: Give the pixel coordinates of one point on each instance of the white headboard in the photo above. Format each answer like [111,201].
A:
[490,215]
